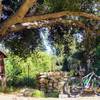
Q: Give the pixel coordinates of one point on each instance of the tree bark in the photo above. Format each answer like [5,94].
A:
[54,22]
[19,17]
[59,15]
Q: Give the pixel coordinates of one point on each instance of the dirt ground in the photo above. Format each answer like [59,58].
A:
[15,97]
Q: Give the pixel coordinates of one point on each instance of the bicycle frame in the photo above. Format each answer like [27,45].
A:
[87,79]
[80,84]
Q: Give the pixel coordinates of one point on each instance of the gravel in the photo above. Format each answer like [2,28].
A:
[15,97]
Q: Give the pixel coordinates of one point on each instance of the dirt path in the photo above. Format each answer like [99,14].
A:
[14,97]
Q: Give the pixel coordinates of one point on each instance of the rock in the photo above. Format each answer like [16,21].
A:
[63,96]
[26,92]
[52,81]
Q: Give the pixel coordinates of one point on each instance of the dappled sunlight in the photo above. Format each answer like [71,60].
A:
[50,48]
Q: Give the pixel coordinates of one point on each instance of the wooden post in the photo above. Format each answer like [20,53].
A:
[2,71]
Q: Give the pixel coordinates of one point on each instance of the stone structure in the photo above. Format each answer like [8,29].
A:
[51,81]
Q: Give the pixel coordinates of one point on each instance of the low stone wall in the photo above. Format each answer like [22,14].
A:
[51,81]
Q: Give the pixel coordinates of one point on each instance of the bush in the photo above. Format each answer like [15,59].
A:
[23,71]
[54,94]
[38,93]
[8,89]
[71,73]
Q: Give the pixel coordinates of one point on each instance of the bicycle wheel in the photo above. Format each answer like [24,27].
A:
[66,88]
[73,87]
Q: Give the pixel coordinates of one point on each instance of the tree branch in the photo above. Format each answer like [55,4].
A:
[25,7]
[1,6]
[60,14]
[18,16]
[45,23]
[74,23]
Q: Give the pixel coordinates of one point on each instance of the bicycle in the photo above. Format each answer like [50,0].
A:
[75,86]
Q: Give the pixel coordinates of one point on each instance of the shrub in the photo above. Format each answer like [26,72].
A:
[8,89]
[38,93]
[54,93]
[23,71]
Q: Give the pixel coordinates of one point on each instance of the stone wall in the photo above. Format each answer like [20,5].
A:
[51,81]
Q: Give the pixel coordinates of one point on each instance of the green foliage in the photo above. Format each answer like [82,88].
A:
[72,73]
[98,51]
[40,61]
[28,39]
[88,6]
[97,60]
[13,70]
[23,71]
[38,93]
[9,90]
[54,94]
[59,5]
